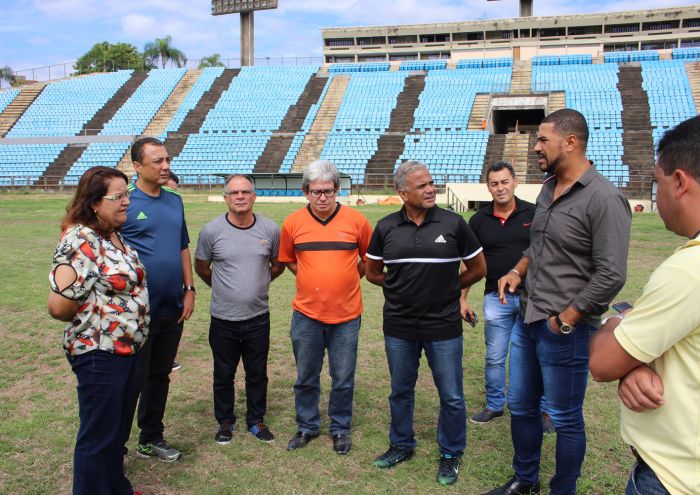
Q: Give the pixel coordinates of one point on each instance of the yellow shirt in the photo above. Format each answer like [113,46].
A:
[664,331]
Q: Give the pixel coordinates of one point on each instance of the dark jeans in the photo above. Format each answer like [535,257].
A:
[643,481]
[229,341]
[106,398]
[155,363]
[542,362]
[445,361]
[310,339]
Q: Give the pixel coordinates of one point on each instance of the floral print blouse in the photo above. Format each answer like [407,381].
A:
[111,286]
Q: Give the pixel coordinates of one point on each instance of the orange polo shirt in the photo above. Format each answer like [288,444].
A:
[326,254]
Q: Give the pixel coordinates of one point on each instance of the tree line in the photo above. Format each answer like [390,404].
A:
[111,57]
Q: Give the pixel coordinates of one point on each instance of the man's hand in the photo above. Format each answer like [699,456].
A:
[466,310]
[187,306]
[510,282]
[641,389]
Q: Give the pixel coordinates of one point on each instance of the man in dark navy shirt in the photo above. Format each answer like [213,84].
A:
[422,246]
[503,229]
[156,228]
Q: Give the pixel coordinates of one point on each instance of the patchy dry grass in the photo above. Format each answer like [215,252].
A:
[38,407]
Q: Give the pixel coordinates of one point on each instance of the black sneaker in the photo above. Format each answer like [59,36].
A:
[225,433]
[515,487]
[448,470]
[160,450]
[392,457]
[262,432]
[485,415]
[300,440]
[176,366]
[342,443]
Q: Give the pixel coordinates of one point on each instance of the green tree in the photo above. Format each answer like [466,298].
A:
[162,51]
[213,60]
[108,57]
[7,75]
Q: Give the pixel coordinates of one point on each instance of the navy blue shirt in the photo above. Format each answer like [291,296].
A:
[421,286]
[504,240]
[156,228]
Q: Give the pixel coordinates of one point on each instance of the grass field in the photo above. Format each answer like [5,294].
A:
[38,406]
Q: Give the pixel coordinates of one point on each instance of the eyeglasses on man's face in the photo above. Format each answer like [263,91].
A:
[316,193]
[118,196]
[236,192]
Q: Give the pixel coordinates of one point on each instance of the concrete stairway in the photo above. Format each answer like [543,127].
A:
[516,151]
[557,101]
[521,77]
[325,118]
[494,152]
[106,113]
[165,114]
[278,145]
[390,145]
[479,109]
[693,71]
[55,172]
[637,141]
[193,120]
[19,105]
[533,174]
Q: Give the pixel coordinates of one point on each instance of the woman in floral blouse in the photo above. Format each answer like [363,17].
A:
[99,288]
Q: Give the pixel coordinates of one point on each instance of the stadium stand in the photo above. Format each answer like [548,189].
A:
[236,130]
[670,98]
[6,98]
[592,90]
[365,114]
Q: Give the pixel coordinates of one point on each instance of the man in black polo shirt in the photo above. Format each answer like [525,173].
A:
[422,246]
[503,229]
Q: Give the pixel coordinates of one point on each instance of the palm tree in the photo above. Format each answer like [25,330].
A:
[161,50]
[8,75]
[213,60]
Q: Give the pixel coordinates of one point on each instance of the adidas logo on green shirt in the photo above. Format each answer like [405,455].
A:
[141,216]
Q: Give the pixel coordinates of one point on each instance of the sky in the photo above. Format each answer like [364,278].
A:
[38,33]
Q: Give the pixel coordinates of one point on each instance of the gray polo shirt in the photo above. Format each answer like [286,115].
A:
[240,265]
[578,249]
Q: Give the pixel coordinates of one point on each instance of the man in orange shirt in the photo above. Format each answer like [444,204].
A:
[324,245]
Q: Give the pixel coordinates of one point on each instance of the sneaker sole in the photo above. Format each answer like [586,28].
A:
[223,442]
[475,422]
[389,466]
[148,456]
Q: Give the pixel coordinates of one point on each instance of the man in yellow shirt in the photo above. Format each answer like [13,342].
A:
[655,349]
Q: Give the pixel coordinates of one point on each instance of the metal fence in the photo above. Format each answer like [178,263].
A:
[68,69]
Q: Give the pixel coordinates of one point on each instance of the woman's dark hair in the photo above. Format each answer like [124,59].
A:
[92,186]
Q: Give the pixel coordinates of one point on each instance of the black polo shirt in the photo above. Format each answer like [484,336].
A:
[504,240]
[421,288]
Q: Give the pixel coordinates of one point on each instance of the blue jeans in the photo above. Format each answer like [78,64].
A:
[498,323]
[107,389]
[445,361]
[643,481]
[310,339]
[542,362]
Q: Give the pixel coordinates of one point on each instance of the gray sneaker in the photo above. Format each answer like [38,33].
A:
[485,415]
[160,450]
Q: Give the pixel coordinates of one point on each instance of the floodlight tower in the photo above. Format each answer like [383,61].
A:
[246,9]
[525,7]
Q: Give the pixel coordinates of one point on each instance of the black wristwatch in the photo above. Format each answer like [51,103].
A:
[564,328]
[189,287]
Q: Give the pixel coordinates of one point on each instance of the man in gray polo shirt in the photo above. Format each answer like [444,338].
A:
[237,257]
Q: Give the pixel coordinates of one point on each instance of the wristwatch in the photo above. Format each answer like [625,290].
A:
[564,328]
[189,287]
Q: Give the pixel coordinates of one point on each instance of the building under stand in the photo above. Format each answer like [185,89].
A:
[520,38]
